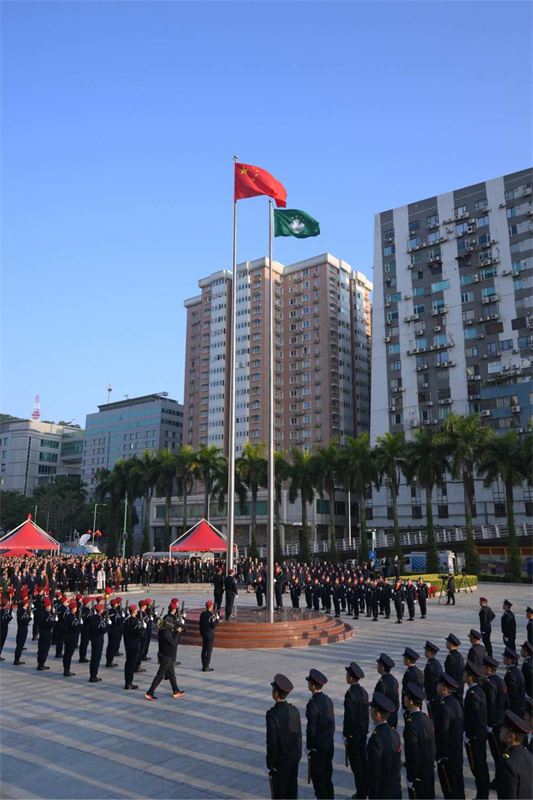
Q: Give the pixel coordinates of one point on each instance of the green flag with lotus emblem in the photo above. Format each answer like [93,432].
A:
[292,222]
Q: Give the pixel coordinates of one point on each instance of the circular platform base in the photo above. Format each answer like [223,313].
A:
[256,627]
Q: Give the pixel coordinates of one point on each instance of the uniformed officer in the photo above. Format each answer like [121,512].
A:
[168,638]
[514,682]
[71,632]
[529,615]
[399,597]
[142,619]
[410,596]
[475,725]
[320,733]
[422,596]
[85,635]
[98,627]
[527,667]
[279,588]
[259,593]
[383,752]
[6,615]
[148,617]
[283,740]
[23,621]
[59,630]
[455,664]
[514,770]
[486,615]
[477,652]
[496,697]
[230,587]
[114,633]
[412,674]
[388,685]
[132,642]
[449,739]
[218,588]
[37,608]
[432,673]
[419,741]
[528,717]
[296,591]
[46,626]
[355,727]
[508,623]
[208,623]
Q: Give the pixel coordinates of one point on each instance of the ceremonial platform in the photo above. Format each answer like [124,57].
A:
[257,627]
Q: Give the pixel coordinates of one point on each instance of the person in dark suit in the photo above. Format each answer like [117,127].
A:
[46,626]
[230,587]
[279,588]
[218,588]
[355,727]
[527,667]
[419,744]
[23,622]
[455,664]
[320,733]
[388,685]
[508,623]
[259,592]
[486,615]
[449,739]
[432,673]
[410,597]
[422,596]
[496,697]
[475,726]
[514,682]
[98,626]
[208,623]
[296,591]
[72,627]
[514,770]
[383,752]
[477,652]
[283,740]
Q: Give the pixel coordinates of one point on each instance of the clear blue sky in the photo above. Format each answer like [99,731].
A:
[120,122]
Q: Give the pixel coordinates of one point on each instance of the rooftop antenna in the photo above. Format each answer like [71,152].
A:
[36,414]
[109,390]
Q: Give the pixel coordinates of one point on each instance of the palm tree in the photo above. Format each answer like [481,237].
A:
[427,462]
[501,459]
[302,478]
[167,465]
[148,465]
[185,457]
[281,473]
[326,461]
[252,467]
[108,487]
[463,438]
[128,474]
[358,471]
[390,463]
[207,467]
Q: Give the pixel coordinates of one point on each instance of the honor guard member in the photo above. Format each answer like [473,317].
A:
[496,697]
[56,602]
[114,633]
[528,717]
[475,728]
[383,752]
[317,594]
[46,626]
[450,591]
[514,770]
[454,664]
[132,641]
[71,632]
[477,652]
[296,592]
[283,741]
[218,588]
[208,622]
[309,593]
[486,615]
[355,727]
[419,745]
[98,627]
[59,629]
[432,673]
[168,638]
[149,617]
[37,608]
[422,595]
[259,593]
[449,739]
[508,622]
[386,593]
[398,594]
[410,597]
[320,733]
[85,635]
[412,674]
[514,683]
[388,685]
[142,619]
[6,615]
[23,621]
[529,615]
[527,667]
[230,587]
[279,588]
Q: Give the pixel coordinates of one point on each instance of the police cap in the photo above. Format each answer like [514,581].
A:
[516,723]
[453,639]
[472,669]
[282,683]
[415,691]
[432,647]
[490,661]
[355,670]
[316,677]
[411,654]
[381,701]
[448,681]
[386,660]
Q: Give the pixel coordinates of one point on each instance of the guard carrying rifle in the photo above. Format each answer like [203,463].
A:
[46,626]
[6,615]
[114,633]
[170,629]
[132,642]
[85,629]
[71,632]
[98,627]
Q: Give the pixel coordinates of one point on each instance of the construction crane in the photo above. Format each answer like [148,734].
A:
[36,413]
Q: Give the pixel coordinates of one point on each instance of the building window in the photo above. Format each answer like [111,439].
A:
[416,512]
[440,286]
[54,445]
[500,510]
[48,457]
[442,511]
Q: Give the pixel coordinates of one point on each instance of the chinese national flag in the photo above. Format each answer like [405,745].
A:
[251,181]
[98,533]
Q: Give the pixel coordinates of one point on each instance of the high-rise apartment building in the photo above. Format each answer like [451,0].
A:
[452,318]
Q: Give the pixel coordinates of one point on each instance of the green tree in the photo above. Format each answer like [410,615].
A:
[59,503]
[108,488]
[149,468]
[427,462]
[502,458]
[390,463]
[186,458]
[207,467]
[167,469]
[252,468]
[464,438]
[302,485]
[358,471]
[326,461]
[281,473]
[14,509]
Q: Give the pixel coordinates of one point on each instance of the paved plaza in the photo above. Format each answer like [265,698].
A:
[67,738]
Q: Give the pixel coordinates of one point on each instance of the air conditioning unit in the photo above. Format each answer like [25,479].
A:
[392,408]
[419,332]
[502,205]
[494,316]
[485,413]
[415,350]
[407,296]
[475,278]
[487,300]
[519,430]
[481,336]
[506,368]
[506,271]
[410,266]
[437,328]
[429,403]
[470,229]
[434,312]
[388,305]
[484,357]
[387,338]
[515,273]
[515,409]
[425,385]
[469,322]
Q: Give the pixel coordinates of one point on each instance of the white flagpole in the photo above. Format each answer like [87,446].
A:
[232,371]
[271,469]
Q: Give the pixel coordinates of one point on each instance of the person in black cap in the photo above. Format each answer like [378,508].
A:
[496,697]
[514,682]
[422,596]
[355,727]
[449,739]
[475,725]
[450,590]
[284,740]
[527,667]
[529,615]
[432,673]
[388,685]
[383,752]
[412,674]
[398,595]
[486,615]
[207,623]
[419,741]
[320,732]
[218,589]
[410,597]
[454,664]
[515,768]
[230,587]
[508,622]
[477,652]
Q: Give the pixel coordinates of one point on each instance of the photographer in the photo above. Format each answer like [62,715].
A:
[169,633]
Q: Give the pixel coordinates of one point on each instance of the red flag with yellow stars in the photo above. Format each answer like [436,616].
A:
[251,181]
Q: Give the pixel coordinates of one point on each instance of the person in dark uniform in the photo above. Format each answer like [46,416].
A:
[432,673]
[71,633]
[410,596]
[454,664]
[6,615]
[508,623]
[320,733]
[283,741]
[338,594]
[383,752]
[149,619]
[59,629]
[386,592]
[46,626]
[114,634]
[475,727]
[132,643]
[529,615]
[496,697]
[449,739]
[388,685]
[412,674]
[450,590]
[23,621]
[144,625]
[296,591]
[168,638]
[396,567]
[514,770]
[486,615]
[355,727]
[419,744]
[208,623]
[327,592]
[259,592]
[477,652]
[230,587]
[308,593]
[37,608]
[527,667]
[85,636]
[399,597]
[317,594]
[98,627]
[514,682]
[218,588]
[422,595]
[279,588]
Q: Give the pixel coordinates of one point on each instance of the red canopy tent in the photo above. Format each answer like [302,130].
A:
[203,537]
[28,536]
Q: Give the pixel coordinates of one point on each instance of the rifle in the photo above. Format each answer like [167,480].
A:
[106,610]
[441,769]
[346,760]
[412,793]
[496,749]
[470,756]
[309,768]
[271,782]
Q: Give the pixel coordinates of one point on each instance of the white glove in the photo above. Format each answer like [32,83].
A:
[266,770]
[81,622]
[489,729]
[465,738]
[184,615]
[218,616]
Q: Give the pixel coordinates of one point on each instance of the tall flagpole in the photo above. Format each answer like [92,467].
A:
[232,371]
[271,475]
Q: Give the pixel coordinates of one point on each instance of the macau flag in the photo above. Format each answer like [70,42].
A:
[292,222]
